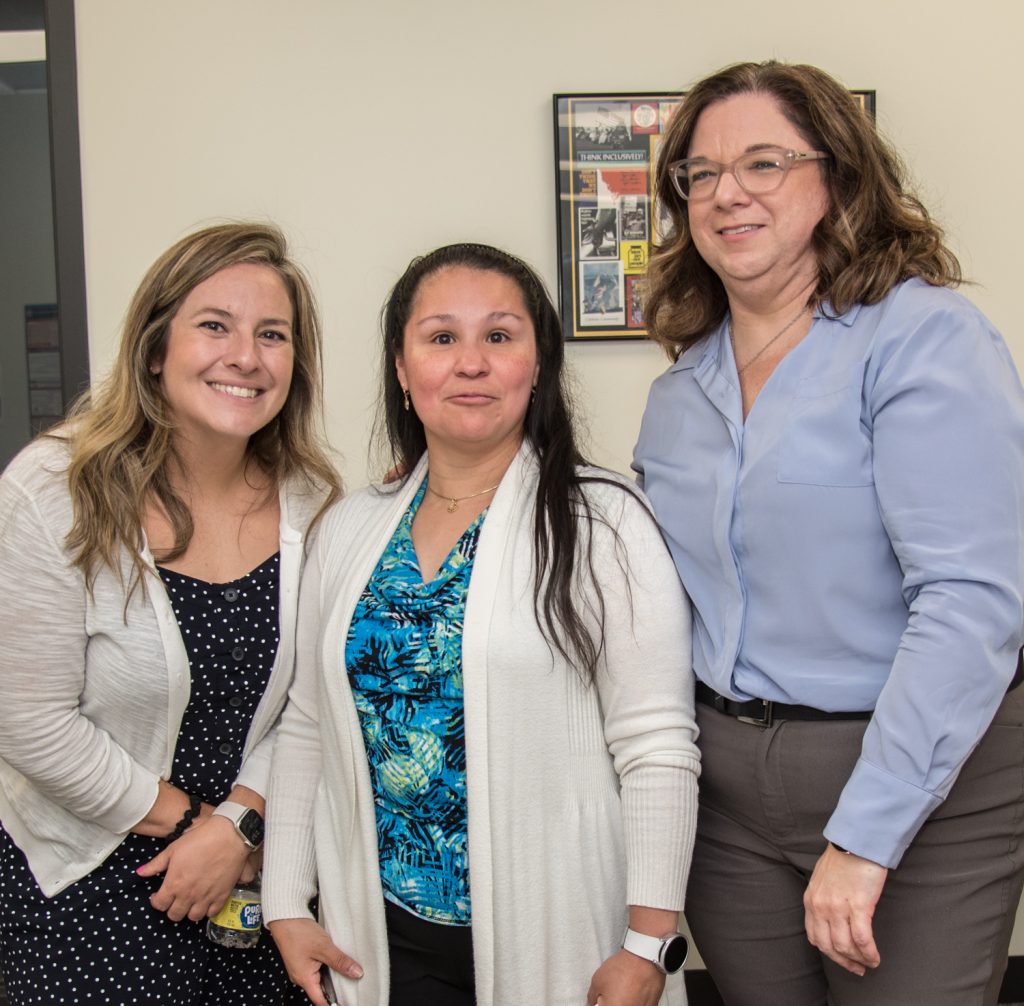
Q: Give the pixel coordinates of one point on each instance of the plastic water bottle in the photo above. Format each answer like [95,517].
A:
[239,923]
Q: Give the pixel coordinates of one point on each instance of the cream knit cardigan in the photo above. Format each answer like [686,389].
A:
[582,799]
[91,692]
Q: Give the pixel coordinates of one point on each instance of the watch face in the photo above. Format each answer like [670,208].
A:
[674,955]
[250,824]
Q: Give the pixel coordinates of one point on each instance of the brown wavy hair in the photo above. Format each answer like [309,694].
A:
[875,234]
[122,436]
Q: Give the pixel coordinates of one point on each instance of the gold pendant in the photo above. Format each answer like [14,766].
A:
[453,506]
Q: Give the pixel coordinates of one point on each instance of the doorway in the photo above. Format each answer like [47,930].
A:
[43,338]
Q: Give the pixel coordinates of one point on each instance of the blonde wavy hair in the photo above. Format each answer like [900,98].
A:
[875,234]
[121,435]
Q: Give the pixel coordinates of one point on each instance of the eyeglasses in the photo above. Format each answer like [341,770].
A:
[756,172]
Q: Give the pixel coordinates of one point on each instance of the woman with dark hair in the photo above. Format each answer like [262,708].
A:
[836,457]
[150,551]
[488,754]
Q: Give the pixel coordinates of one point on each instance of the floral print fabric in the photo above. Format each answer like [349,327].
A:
[404,658]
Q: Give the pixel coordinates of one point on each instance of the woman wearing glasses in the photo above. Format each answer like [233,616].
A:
[836,456]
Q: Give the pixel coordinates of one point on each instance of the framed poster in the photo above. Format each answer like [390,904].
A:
[606,149]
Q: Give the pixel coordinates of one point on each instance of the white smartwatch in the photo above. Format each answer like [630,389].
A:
[666,953]
[248,822]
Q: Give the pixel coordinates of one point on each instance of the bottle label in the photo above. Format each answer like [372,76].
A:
[242,914]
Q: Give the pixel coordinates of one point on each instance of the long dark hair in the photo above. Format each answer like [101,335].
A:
[562,532]
[875,234]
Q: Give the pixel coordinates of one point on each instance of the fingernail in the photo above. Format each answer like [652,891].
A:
[138,870]
[355,971]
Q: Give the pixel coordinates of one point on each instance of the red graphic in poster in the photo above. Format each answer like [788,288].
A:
[624,183]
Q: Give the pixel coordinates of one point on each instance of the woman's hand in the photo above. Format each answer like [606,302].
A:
[838,907]
[253,865]
[305,947]
[200,869]
[206,862]
[626,980]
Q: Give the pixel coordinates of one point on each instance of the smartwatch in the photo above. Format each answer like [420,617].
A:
[248,822]
[666,953]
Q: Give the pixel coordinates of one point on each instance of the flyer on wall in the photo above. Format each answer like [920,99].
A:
[606,148]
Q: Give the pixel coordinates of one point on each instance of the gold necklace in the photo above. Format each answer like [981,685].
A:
[454,501]
[775,338]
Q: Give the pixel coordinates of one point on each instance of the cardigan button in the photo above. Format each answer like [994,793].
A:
[238,653]
[231,594]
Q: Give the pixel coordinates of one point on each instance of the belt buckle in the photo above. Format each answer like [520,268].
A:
[764,720]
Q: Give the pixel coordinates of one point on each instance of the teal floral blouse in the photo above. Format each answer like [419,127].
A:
[404,660]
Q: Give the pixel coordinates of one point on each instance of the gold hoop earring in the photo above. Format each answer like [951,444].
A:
[405,397]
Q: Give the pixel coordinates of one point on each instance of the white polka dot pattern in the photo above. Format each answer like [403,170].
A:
[100,941]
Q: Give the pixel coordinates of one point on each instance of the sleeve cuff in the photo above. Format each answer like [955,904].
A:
[133,805]
[289,863]
[878,815]
[660,825]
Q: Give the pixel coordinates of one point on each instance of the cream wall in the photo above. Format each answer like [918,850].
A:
[374,131]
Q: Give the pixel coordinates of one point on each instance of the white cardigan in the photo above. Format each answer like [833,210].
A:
[92,693]
[582,799]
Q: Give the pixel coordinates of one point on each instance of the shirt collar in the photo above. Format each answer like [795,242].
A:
[709,349]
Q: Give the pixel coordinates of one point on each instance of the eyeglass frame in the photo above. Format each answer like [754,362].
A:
[791,159]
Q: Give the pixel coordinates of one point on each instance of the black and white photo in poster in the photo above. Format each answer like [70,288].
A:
[602,124]
[633,218]
[598,231]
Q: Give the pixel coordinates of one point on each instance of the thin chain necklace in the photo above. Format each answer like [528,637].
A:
[454,501]
[775,338]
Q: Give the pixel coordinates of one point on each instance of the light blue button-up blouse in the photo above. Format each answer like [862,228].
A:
[857,542]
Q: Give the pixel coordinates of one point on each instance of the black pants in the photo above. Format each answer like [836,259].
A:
[430,963]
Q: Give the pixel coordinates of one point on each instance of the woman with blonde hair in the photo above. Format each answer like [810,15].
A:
[151,549]
[836,457]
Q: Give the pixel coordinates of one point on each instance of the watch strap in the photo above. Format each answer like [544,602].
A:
[651,948]
[234,812]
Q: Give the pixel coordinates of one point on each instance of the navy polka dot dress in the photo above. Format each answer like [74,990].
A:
[100,941]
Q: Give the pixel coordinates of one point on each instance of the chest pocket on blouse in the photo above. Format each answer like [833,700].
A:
[823,442]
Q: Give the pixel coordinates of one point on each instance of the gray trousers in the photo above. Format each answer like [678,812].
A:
[944,920]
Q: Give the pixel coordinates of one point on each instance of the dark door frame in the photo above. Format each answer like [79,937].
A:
[66,181]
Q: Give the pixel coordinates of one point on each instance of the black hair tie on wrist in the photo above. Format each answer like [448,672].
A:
[186,821]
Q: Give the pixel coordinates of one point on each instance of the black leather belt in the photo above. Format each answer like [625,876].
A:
[763,713]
